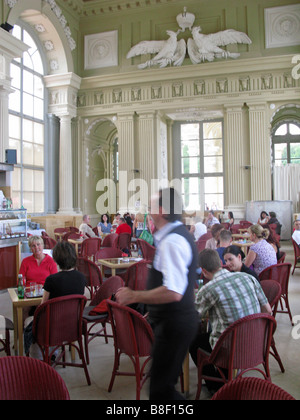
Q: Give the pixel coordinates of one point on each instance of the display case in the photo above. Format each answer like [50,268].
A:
[13,226]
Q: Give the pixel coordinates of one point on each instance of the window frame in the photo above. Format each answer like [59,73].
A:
[201,175]
[287,139]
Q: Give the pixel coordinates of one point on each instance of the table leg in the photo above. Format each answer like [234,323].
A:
[186,375]
[15,320]
[20,330]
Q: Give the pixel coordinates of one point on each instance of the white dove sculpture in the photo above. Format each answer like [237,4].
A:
[168,52]
[206,47]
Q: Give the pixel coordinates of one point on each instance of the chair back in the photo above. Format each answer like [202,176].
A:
[91,272]
[251,389]
[71,235]
[123,241]
[136,276]
[108,288]
[296,255]
[200,244]
[281,257]
[59,320]
[148,251]
[278,272]
[206,236]
[235,228]
[108,252]
[110,240]
[25,378]
[272,290]
[245,344]
[226,225]
[49,243]
[132,333]
[90,246]
[245,224]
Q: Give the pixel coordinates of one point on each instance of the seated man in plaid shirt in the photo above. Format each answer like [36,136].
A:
[227,297]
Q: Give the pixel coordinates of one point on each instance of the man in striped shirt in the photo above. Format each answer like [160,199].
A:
[226,298]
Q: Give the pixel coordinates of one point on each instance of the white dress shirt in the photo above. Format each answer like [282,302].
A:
[172,258]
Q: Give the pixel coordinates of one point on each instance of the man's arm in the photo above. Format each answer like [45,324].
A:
[159,295]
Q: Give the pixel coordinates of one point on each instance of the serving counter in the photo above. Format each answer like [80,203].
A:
[13,230]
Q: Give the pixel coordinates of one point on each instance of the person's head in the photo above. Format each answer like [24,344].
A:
[216,230]
[257,231]
[121,220]
[104,218]
[210,262]
[297,224]
[271,238]
[211,214]
[166,206]
[225,238]
[272,214]
[263,215]
[64,255]
[230,215]
[86,218]
[36,245]
[233,257]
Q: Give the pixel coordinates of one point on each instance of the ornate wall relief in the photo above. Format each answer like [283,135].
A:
[101,50]
[282,26]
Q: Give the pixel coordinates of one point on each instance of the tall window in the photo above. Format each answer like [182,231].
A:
[286,144]
[26,126]
[202,165]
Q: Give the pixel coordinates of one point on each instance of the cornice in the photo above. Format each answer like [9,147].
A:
[215,69]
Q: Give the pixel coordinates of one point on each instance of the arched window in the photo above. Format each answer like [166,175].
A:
[26,126]
[286,143]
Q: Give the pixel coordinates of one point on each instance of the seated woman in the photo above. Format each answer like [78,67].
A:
[261,255]
[68,281]
[233,257]
[273,240]
[230,219]
[138,224]
[104,226]
[38,266]
[264,218]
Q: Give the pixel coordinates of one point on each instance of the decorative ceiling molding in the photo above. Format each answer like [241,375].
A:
[59,15]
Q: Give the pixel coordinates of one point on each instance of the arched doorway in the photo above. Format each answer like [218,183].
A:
[100,162]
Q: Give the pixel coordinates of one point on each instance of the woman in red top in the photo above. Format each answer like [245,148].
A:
[38,266]
[123,227]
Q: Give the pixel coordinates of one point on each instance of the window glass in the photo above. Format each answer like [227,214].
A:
[26,126]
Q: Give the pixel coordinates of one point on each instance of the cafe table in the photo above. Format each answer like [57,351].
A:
[18,306]
[243,245]
[76,243]
[116,263]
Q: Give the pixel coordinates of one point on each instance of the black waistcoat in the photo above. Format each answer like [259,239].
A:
[155,279]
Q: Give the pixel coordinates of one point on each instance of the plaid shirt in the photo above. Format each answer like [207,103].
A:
[227,298]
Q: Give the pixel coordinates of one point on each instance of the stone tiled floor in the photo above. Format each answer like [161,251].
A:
[102,356]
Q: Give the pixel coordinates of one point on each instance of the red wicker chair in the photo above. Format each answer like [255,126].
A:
[89,247]
[136,276]
[58,323]
[109,240]
[280,273]
[108,288]
[91,272]
[133,336]
[272,290]
[24,378]
[296,255]
[148,251]
[251,389]
[243,345]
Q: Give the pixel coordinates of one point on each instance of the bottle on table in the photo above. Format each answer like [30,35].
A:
[21,286]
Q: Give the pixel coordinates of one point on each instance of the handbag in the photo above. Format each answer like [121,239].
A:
[145,235]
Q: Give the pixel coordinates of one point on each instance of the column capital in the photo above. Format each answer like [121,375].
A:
[63,90]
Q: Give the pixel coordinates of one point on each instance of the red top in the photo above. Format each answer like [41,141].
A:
[37,273]
[123,228]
